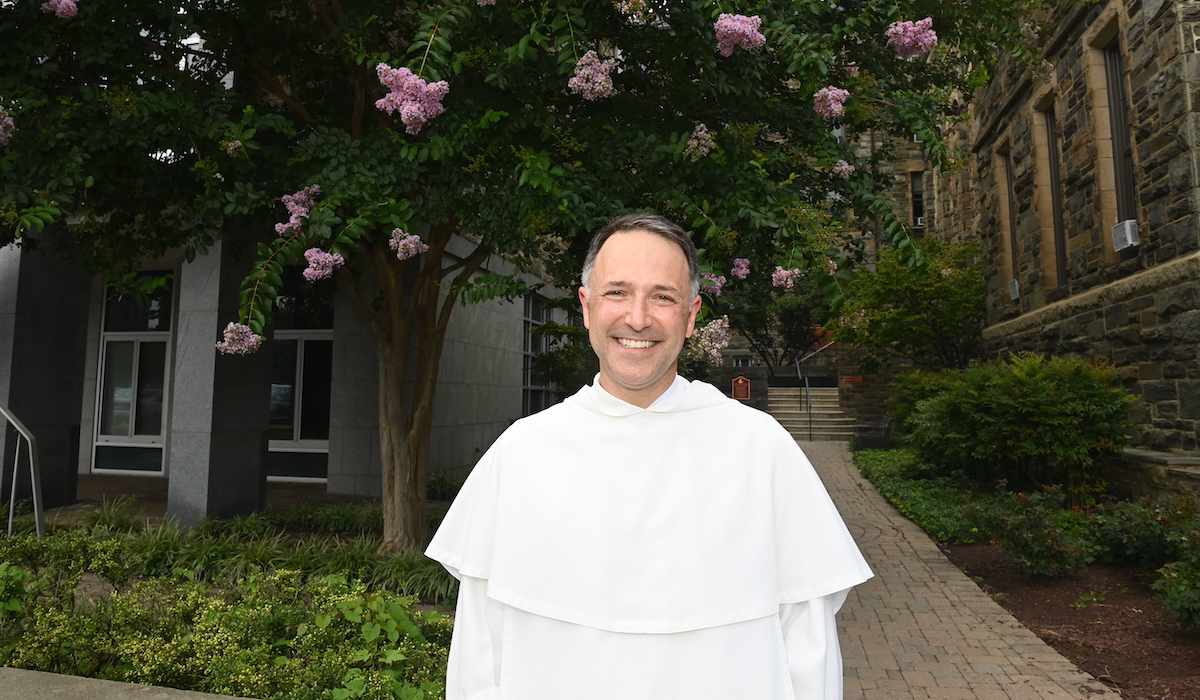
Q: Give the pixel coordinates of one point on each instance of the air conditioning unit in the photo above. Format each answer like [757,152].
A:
[1125,234]
[1014,289]
[920,222]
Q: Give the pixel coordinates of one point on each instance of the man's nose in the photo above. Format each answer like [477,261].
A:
[638,317]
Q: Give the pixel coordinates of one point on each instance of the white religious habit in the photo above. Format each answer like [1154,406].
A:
[685,551]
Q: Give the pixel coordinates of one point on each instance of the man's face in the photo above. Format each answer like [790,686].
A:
[638,311]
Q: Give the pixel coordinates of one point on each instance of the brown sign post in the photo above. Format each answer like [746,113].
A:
[741,388]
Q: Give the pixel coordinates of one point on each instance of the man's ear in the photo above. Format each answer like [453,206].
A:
[583,302]
[692,317]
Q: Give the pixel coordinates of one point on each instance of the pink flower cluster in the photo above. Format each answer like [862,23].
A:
[714,283]
[407,245]
[912,38]
[7,126]
[592,79]
[321,264]
[741,268]
[637,10]
[298,205]
[784,278]
[700,143]
[842,169]
[832,266]
[738,30]
[416,100]
[232,147]
[61,8]
[485,3]
[830,102]
[708,342]
[239,340]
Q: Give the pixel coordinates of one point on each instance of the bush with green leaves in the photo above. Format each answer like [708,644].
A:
[1039,532]
[1146,533]
[1178,589]
[1032,420]
[276,635]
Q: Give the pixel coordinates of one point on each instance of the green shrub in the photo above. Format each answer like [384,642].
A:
[1033,421]
[1146,533]
[1039,532]
[1178,589]
[270,636]
[937,504]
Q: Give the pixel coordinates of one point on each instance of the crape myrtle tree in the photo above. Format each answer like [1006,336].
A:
[357,137]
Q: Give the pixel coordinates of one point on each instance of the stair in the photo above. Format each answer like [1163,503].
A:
[828,421]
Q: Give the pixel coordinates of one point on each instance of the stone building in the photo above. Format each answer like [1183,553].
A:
[136,387]
[1081,177]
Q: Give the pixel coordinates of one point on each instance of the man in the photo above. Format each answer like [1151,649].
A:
[648,538]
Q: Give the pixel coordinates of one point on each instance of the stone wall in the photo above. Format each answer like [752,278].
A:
[1135,308]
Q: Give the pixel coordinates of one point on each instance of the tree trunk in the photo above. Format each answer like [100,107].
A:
[410,325]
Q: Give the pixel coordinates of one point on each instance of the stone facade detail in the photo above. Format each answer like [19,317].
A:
[1044,145]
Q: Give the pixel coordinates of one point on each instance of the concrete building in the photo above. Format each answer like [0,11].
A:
[1083,180]
[135,385]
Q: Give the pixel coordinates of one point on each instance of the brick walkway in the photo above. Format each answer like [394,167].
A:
[921,628]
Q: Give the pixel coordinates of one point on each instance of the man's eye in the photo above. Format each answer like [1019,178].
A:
[614,293]
[666,299]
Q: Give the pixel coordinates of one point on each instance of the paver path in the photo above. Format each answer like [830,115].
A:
[921,628]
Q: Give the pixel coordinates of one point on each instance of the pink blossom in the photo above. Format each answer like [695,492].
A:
[637,10]
[912,38]
[735,31]
[592,79]
[741,268]
[851,69]
[485,3]
[832,266]
[407,245]
[700,143]
[784,278]
[239,340]
[946,272]
[232,147]
[843,169]
[7,126]
[61,8]
[830,102]
[714,283]
[321,264]
[298,205]
[416,100]
[708,342]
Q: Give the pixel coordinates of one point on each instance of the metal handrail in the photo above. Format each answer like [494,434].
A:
[818,351]
[35,475]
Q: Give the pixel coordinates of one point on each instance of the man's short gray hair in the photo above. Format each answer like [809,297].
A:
[650,223]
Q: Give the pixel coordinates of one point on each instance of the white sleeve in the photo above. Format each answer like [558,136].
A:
[473,670]
[811,641]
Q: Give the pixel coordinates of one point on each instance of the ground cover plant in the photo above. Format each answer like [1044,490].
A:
[290,603]
[1114,587]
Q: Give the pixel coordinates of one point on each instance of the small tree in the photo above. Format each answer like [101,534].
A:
[930,314]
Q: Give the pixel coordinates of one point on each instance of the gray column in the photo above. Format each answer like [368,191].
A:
[220,403]
[43,325]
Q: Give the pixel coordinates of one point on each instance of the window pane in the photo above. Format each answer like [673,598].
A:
[283,390]
[140,312]
[138,459]
[152,370]
[318,378]
[116,397]
[306,464]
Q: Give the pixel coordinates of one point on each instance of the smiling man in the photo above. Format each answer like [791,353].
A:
[648,538]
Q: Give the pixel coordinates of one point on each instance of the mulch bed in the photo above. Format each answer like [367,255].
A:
[1105,620]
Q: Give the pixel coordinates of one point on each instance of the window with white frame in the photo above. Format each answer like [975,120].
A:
[135,359]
